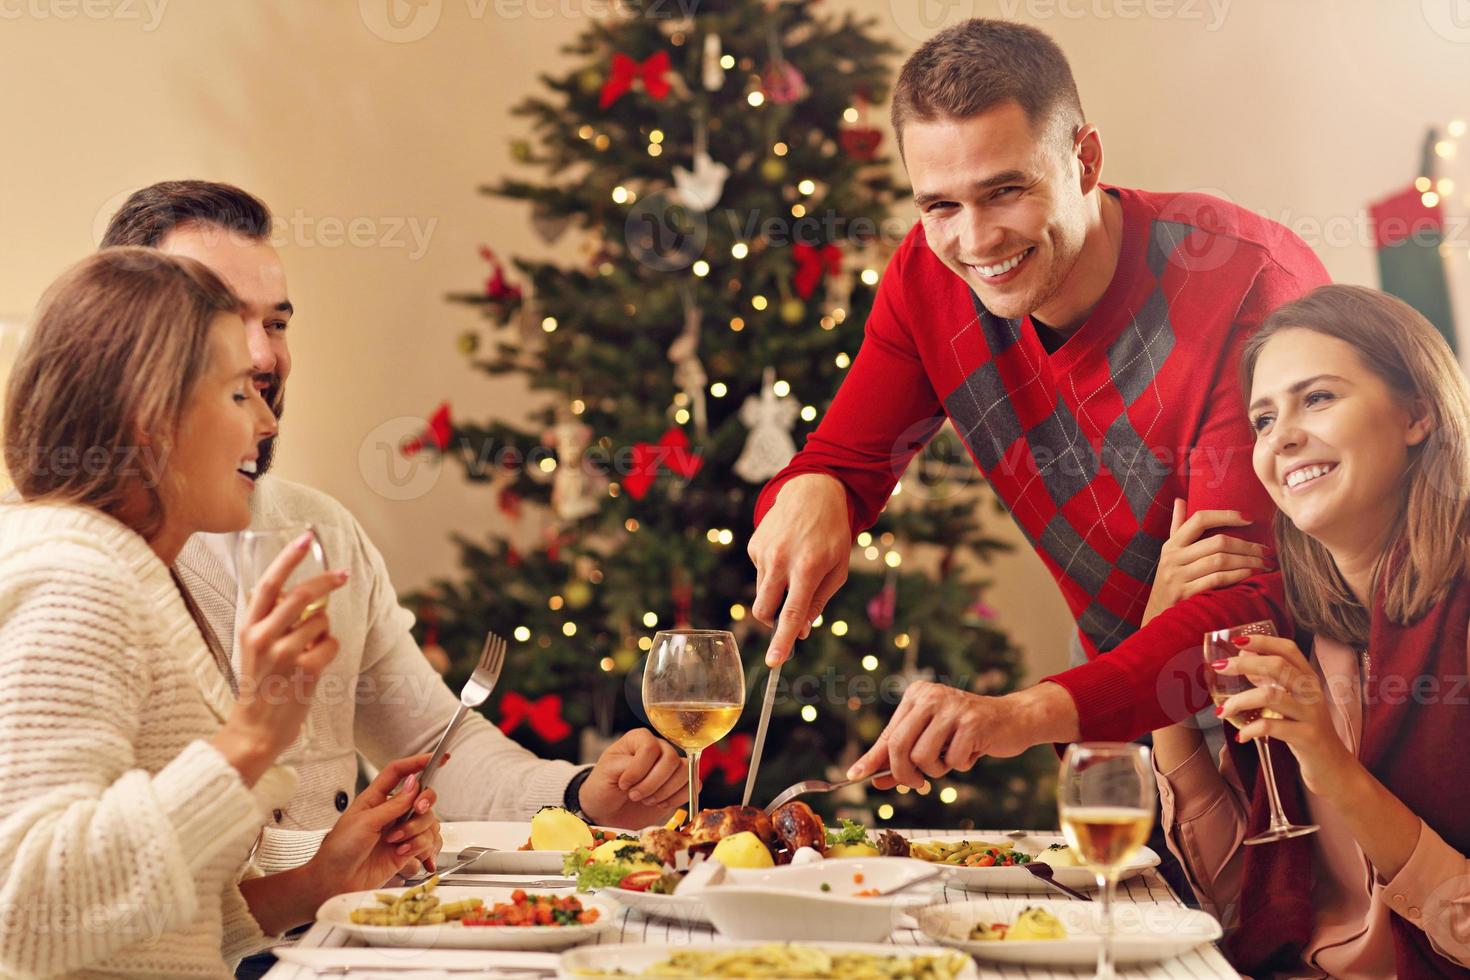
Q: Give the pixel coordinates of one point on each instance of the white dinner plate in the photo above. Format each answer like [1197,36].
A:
[684,909]
[633,959]
[337,912]
[1018,880]
[507,837]
[1145,932]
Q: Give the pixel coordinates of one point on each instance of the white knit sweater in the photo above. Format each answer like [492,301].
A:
[122,831]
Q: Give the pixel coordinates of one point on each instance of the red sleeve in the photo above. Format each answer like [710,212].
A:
[1155,677]
[884,412]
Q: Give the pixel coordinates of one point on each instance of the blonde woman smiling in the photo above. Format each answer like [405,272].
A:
[132,784]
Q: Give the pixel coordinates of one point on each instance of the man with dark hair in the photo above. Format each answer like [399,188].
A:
[1083,340]
[380,697]
[213,211]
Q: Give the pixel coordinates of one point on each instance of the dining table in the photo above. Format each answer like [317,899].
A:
[632,927]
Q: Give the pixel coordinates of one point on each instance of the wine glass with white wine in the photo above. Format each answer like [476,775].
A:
[1219,645]
[693,691]
[1105,799]
[258,549]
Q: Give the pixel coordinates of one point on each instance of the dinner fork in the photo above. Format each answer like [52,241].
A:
[817,786]
[474,693]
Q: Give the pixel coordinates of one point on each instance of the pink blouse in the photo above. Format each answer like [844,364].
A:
[1204,820]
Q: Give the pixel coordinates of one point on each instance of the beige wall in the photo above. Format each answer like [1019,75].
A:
[1303,110]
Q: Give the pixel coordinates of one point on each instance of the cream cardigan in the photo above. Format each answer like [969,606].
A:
[122,831]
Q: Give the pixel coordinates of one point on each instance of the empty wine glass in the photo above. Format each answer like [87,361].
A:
[256,551]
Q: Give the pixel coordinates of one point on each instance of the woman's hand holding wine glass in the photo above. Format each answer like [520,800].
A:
[283,650]
[1289,703]
[1226,684]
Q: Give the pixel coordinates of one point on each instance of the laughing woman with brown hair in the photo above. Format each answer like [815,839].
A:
[1362,423]
[132,784]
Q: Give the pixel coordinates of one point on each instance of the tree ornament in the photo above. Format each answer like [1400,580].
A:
[689,375]
[773,170]
[578,594]
[497,286]
[699,189]
[793,310]
[672,451]
[730,756]
[468,342]
[508,502]
[543,714]
[712,73]
[884,606]
[812,264]
[652,73]
[782,83]
[438,433]
[589,80]
[862,140]
[769,446]
[575,492]
[520,151]
[550,227]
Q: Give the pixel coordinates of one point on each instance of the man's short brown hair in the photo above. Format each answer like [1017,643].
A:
[149,214]
[966,69]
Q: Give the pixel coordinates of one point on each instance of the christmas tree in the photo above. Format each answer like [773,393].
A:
[722,169]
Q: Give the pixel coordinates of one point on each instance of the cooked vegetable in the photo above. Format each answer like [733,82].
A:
[852,832]
[416,906]
[852,841]
[534,910]
[626,851]
[592,872]
[969,854]
[808,963]
[555,828]
[1032,923]
[743,850]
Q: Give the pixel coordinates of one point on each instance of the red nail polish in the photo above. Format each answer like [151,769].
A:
[1218,664]
[1219,710]
[1240,641]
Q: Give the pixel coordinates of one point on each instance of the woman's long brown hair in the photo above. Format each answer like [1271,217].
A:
[1428,543]
[101,382]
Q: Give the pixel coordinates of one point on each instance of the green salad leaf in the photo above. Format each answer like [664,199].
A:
[852,832]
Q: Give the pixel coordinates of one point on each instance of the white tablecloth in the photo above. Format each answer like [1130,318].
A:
[1205,962]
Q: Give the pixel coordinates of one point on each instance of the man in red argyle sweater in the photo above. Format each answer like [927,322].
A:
[1083,340]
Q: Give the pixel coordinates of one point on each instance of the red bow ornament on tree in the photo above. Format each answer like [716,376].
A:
[732,759]
[812,264]
[544,714]
[497,287]
[625,71]
[671,450]
[438,433]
